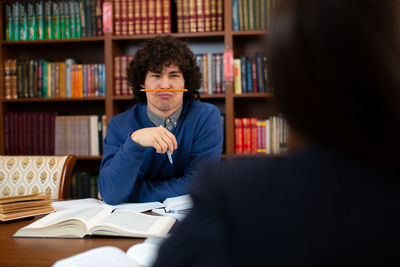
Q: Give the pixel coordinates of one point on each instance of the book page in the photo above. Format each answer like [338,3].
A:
[77,204]
[131,223]
[178,203]
[87,216]
[102,256]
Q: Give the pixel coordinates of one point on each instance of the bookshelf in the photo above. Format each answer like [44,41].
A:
[103,49]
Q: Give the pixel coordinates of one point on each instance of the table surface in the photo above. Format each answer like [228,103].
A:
[46,251]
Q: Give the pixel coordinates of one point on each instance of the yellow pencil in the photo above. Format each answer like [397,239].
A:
[164,90]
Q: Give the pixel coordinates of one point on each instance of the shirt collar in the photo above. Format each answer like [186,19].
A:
[169,122]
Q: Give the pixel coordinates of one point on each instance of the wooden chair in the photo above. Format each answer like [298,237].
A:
[24,175]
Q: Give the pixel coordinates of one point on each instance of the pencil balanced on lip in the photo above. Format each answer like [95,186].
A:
[164,90]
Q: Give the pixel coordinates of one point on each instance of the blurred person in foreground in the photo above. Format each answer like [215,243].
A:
[335,67]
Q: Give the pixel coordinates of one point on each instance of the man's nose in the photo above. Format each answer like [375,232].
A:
[165,84]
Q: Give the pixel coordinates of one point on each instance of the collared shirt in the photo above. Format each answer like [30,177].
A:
[170,122]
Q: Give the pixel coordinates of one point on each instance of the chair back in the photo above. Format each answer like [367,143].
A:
[25,175]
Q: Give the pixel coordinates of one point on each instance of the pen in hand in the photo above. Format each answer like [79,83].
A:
[168,153]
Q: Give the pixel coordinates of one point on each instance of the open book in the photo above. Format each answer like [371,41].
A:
[138,255]
[97,221]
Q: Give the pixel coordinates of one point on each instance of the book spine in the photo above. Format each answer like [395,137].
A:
[257,23]
[72,18]
[260,72]
[7,79]
[213,73]
[254,76]
[235,15]
[86,22]
[40,78]
[192,16]
[23,22]
[15,21]
[185,16]
[166,16]
[246,15]
[205,76]
[99,17]
[251,16]
[213,15]
[93,30]
[124,17]
[41,32]
[199,61]
[67,20]
[35,78]
[249,76]
[79,14]
[263,14]
[200,16]
[254,135]
[137,17]
[56,20]
[144,16]
[218,69]
[220,15]
[13,79]
[238,135]
[159,17]
[9,33]
[237,83]
[61,8]
[117,17]
[62,79]
[243,74]
[44,78]
[117,73]
[151,15]
[124,83]
[131,18]
[207,15]
[30,79]
[179,15]
[246,135]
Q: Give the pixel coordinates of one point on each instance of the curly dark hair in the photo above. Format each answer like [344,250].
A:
[163,51]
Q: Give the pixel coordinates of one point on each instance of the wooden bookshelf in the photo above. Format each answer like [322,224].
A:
[103,49]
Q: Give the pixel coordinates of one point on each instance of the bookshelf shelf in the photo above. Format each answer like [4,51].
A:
[54,99]
[177,35]
[249,33]
[55,41]
[253,95]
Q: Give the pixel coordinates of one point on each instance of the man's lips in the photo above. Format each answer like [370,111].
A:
[164,94]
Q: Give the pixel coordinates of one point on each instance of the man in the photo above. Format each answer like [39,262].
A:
[152,149]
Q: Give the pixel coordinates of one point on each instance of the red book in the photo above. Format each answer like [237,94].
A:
[192,16]
[246,135]
[238,136]
[166,10]
[185,16]
[213,15]
[179,15]
[159,17]
[207,15]
[107,17]
[117,76]
[131,18]
[200,15]
[254,135]
[117,17]
[220,15]
[254,75]
[124,17]
[137,18]
[144,16]
[151,14]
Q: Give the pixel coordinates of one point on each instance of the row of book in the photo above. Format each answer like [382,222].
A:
[250,15]
[45,133]
[199,15]
[121,86]
[254,136]
[83,185]
[133,17]
[250,74]
[41,78]
[212,71]
[45,19]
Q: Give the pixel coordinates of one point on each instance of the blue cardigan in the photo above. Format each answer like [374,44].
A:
[130,172]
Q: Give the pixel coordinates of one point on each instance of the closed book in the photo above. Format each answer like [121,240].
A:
[72,18]
[93,29]
[40,20]
[260,72]
[166,9]
[159,17]
[213,15]
[124,82]
[243,74]
[199,62]
[86,22]
[124,17]
[62,79]
[20,78]
[241,16]
[9,33]
[23,21]
[238,135]
[7,79]
[15,20]
[55,20]
[86,79]
[137,17]
[192,16]
[144,16]
[205,74]
[131,18]
[80,20]
[151,14]
[261,137]
[56,79]
[207,15]
[235,15]
[117,17]
[179,15]
[185,16]
[220,15]
[35,78]
[218,73]
[254,135]
[94,136]
[263,21]
[200,15]
[99,17]
[61,11]
[39,66]
[117,76]
[237,80]
[246,136]
[251,16]
[246,14]
[257,15]
[67,20]
[25,78]
[249,76]
[211,72]
[254,75]
[68,77]
[48,22]
[79,80]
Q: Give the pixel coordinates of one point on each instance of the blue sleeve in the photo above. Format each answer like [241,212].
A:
[122,158]
[207,146]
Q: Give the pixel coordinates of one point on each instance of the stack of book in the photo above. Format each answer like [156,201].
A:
[41,78]
[254,136]
[250,15]
[16,207]
[44,19]
[142,17]
[200,15]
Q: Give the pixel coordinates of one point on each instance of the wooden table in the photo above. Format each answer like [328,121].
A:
[46,251]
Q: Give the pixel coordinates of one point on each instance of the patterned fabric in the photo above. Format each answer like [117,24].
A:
[24,175]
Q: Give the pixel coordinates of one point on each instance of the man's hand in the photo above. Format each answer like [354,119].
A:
[158,137]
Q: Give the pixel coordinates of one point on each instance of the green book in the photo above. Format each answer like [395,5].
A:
[23,22]
[15,21]
[77,19]
[55,15]
[67,20]
[263,13]
[44,78]
[9,23]
[72,20]
[32,27]
[48,21]
[40,20]
[61,9]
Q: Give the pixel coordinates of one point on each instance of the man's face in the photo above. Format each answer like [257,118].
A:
[164,103]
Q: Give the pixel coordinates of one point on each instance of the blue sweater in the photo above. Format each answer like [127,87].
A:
[130,172]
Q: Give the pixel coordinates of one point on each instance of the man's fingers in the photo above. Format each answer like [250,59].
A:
[169,142]
[172,138]
[163,145]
